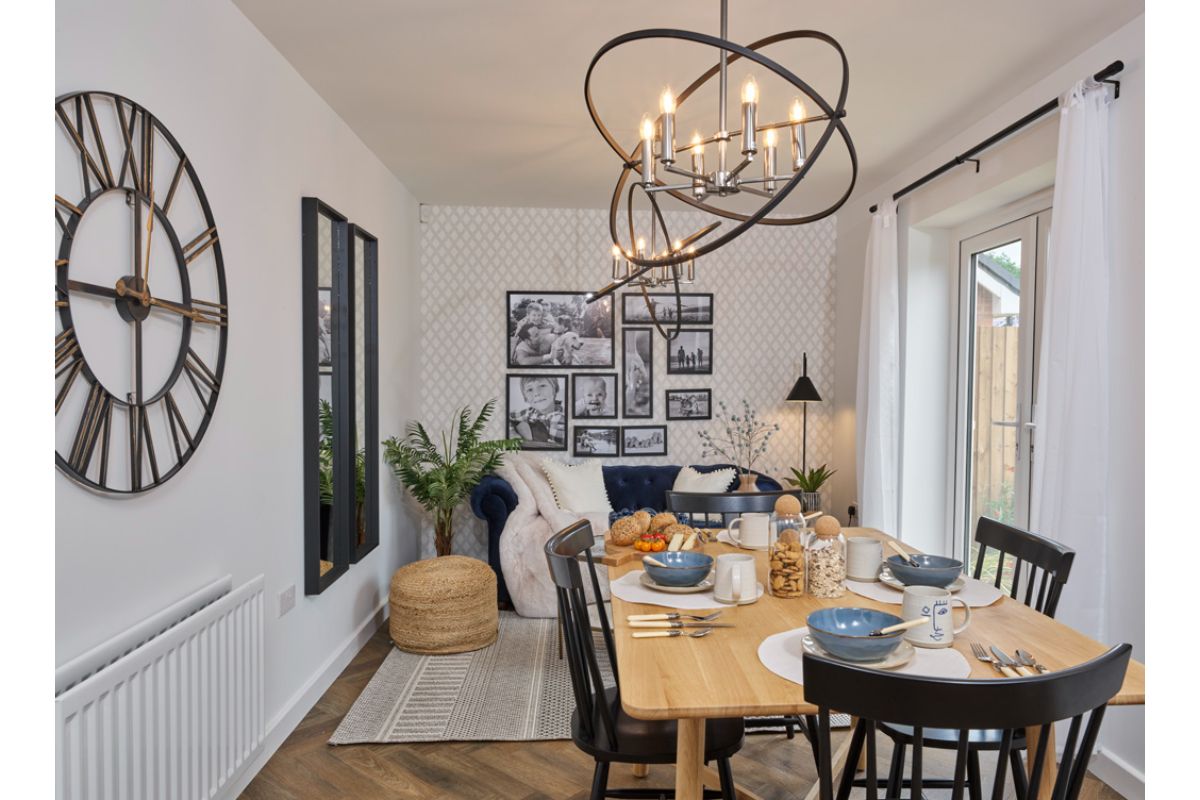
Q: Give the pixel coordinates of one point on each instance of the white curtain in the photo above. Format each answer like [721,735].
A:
[877,404]
[1070,457]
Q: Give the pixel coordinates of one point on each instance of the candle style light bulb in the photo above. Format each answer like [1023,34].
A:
[750,91]
[616,262]
[641,247]
[666,103]
[647,129]
[647,151]
[772,138]
[797,115]
[749,114]
[698,184]
[697,144]
[769,160]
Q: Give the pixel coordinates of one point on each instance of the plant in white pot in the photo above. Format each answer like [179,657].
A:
[741,439]
[440,479]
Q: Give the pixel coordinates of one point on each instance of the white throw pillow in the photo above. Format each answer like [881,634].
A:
[691,480]
[578,488]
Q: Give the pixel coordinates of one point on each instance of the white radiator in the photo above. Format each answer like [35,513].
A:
[178,712]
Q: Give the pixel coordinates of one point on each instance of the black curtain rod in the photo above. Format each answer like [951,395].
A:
[1103,75]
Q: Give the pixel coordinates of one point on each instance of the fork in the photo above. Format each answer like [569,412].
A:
[981,653]
[671,633]
[672,615]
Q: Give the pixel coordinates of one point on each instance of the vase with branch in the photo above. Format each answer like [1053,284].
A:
[441,478]
[741,439]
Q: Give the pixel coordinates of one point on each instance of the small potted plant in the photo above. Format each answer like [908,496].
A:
[809,482]
[442,478]
[742,442]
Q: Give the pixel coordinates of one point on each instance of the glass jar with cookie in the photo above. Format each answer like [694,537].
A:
[785,573]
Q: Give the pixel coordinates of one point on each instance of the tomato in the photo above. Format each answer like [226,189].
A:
[659,546]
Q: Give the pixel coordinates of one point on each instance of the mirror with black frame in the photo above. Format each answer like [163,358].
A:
[364,256]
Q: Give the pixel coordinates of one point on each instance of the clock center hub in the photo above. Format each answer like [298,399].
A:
[133,298]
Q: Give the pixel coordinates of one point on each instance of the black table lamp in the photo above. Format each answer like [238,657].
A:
[804,392]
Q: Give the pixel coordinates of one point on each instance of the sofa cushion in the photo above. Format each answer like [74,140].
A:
[691,480]
[577,487]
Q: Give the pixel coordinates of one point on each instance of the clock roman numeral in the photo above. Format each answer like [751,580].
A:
[128,129]
[178,426]
[72,371]
[200,375]
[88,163]
[97,414]
[211,313]
[179,169]
[193,249]
[66,347]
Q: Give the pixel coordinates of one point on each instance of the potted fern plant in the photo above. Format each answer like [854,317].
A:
[441,478]
[809,482]
[325,480]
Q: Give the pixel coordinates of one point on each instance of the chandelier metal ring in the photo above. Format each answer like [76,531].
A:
[832,115]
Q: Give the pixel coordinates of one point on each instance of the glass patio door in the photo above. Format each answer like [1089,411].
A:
[997,345]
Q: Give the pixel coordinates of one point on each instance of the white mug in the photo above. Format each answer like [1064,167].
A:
[864,555]
[751,530]
[933,603]
[736,580]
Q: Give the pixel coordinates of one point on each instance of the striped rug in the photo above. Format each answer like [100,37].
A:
[515,690]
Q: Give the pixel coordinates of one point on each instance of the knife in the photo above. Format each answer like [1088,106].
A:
[678,624]
[1008,666]
[1026,658]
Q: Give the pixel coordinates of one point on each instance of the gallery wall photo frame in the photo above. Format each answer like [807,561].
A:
[691,352]
[594,395]
[559,330]
[637,373]
[596,441]
[643,440]
[689,404]
[696,308]
[535,410]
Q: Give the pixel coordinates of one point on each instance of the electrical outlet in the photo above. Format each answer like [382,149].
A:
[287,599]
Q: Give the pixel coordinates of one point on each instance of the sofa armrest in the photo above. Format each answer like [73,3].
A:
[492,501]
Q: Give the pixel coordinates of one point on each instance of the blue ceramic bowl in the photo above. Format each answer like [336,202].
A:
[682,568]
[934,570]
[843,632]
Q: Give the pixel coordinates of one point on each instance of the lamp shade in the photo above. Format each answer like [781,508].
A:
[804,391]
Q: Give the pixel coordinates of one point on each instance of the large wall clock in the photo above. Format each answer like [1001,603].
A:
[140,303]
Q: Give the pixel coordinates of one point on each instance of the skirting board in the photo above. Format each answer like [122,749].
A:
[302,702]
[1123,778]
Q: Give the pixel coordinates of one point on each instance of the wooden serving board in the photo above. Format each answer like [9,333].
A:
[616,555]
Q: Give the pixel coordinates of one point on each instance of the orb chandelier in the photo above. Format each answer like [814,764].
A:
[711,168]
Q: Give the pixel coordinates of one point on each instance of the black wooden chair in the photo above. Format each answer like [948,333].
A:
[1008,705]
[1033,553]
[728,505]
[1037,554]
[599,726]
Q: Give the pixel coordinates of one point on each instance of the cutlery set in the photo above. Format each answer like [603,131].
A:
[670,625]
[1024,665]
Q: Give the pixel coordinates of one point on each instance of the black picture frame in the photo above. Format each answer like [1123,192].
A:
[630,429]
[512,415]
[676,415]
[634,302]
[686,340]
[580,395]
[642,342]
[566,352]
[584,430]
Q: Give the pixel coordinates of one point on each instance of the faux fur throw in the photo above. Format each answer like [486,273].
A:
[536,518]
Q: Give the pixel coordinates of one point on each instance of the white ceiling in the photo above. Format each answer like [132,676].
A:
[480,102]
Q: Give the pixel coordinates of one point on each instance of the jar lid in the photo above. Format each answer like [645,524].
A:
[827,527]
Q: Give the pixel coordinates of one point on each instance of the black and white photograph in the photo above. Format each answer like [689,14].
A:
[593,442]
[637,387]
[692,309]
[644,440]
[690,353]
[689,403]
[595,395]
[325,331]
[537,411]
[558,330]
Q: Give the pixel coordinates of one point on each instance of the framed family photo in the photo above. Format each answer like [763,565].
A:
[596,441]
[692,309]
[559,330]
[689,403]
[690,353]
[644,440]
[595,395]
[637,388]
[536,411]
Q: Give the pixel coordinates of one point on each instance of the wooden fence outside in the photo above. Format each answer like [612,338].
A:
[994,446]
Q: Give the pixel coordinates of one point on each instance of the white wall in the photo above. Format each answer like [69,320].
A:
[1009,171]
[260,139]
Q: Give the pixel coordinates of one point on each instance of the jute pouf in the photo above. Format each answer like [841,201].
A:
[443,605]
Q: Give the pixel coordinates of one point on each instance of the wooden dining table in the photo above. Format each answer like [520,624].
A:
[691,680]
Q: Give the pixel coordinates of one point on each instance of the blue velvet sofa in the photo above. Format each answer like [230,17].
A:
[629,487]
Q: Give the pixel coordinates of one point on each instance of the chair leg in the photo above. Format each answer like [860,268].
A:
[1020,781]
[600,781]
[896,773]
[725,771]
[974,784]
[790,727]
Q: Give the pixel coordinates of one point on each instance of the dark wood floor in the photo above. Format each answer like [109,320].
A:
[305,767]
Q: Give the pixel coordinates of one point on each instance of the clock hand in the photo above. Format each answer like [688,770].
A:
[149,239]
[91,288]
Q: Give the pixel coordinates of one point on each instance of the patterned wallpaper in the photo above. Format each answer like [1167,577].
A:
[773,299]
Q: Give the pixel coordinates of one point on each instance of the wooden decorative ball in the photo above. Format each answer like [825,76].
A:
[827,526]
[788,506]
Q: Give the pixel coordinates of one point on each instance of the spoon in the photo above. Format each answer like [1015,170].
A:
[899,626]
[672,615]
[654,562]
[658,634]
[903,553]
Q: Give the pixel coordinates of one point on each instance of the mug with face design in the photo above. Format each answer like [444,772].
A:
[934,604]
